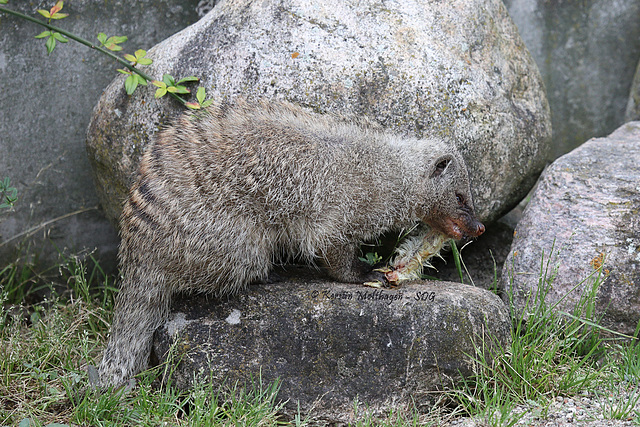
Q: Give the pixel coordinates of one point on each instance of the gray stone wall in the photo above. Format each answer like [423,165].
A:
[45,107]
[587,52]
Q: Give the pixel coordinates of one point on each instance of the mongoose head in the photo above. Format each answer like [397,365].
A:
[447,205]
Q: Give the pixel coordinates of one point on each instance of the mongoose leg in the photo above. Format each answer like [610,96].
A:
[343,265]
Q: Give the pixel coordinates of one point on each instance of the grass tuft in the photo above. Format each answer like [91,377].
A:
[552,353]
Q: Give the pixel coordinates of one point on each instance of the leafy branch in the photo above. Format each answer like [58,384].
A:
[107,46]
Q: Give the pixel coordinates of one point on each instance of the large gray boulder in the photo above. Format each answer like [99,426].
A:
[587,52]
[332,345]
[456,70]
[46,106]
[586,208]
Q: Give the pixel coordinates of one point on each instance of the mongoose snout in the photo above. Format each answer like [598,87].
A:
[462,225]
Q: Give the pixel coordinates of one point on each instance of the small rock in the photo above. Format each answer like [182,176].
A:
[587,208]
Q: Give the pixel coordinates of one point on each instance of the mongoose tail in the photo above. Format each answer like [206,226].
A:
[141,307]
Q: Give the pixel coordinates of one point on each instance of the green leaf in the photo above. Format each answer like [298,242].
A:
[123,71]
[160,92]
[43,34]
[60,37]
[59,15]
[113,47]
[112,42]
[188,79]
[51,44]
[371,258]
[160,84]
[57,7]
[456,260]
[141,80]
[138,58]
[168,79]
[35,318]
[130,84]
[4,1]
[178,89]
[192,105]
[9,195]
[44,13]
[201,94]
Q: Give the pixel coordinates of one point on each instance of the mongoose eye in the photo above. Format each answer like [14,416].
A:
[460,200]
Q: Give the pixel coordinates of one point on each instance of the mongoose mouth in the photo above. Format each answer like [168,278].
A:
[457,228]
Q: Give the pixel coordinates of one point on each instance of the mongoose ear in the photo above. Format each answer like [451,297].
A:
[440,165]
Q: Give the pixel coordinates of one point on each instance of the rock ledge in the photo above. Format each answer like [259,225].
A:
[330,343]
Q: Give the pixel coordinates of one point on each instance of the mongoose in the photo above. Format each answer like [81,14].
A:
[226,192]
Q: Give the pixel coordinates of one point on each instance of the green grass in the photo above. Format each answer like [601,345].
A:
[553,353]
[45,348]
